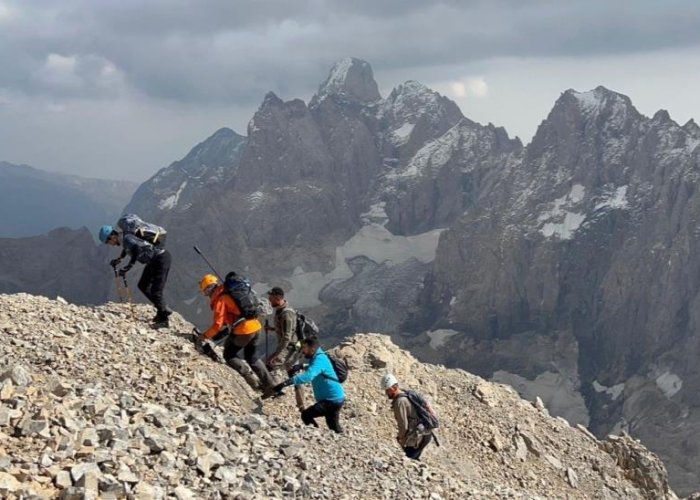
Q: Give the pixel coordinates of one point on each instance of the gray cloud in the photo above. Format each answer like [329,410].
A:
[232,52]
[120,88]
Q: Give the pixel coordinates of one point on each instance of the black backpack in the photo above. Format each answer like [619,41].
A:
[306,327]
[426,415]
[340,366]
[238,287]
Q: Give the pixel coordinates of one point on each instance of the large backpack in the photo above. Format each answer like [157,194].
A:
[133,224]
[238,287]
[340,366]
[426,415]
[306,327]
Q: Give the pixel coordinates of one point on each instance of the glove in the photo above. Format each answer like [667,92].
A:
[114,262]
[284,384]
[294,369]
[122,272]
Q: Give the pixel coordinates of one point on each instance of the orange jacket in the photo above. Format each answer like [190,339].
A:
[226,312]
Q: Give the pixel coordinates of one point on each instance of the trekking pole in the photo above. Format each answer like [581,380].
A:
[129,297]
[208,263]
[117,285]
[267,342]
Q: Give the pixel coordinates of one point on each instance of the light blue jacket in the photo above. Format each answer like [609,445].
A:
[323,379]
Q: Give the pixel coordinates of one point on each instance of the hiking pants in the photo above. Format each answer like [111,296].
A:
[249,345]
[416,452]
[153,279]
[324,408]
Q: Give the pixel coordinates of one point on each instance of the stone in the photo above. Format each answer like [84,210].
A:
[63,480]
[19,375]
[571,477]
[144,491]
[8,483]
[73,493]
[79,470]
[183,493]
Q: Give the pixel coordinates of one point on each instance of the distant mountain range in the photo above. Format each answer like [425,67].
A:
[34,201]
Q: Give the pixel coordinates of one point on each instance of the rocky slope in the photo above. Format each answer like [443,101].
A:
[64,262]
[567,268]
[34,202]
[92,403]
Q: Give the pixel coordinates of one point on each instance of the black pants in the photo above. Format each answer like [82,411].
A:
[153,279]
[251,360]
[416,452]
[327,409]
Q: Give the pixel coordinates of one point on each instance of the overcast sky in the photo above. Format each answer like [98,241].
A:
[121,88]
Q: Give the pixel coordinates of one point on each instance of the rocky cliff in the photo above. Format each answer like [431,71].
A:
[566,268]
[92,403]
[64,262]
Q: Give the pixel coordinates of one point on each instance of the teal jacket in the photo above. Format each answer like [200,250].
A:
[323,379]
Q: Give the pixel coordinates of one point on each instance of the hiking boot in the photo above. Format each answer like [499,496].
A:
[270,392]
[162,323]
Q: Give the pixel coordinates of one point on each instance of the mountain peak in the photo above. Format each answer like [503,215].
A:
[593,101]
[353,78]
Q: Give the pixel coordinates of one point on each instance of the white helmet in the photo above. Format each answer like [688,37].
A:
[388,381]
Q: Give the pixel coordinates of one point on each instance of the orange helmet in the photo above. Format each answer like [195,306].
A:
[207,282]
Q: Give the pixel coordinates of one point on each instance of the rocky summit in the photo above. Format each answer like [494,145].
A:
[95,405]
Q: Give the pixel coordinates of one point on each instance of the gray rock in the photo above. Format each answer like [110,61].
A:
[19,375]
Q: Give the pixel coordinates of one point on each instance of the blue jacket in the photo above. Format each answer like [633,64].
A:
[318,373]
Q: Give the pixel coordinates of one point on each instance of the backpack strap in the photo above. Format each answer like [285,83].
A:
[334,379]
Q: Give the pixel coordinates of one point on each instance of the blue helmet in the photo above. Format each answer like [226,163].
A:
[105,233]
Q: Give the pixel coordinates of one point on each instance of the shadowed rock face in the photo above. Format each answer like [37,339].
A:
[593,235]
[313,187]
[66,263]
[567,268]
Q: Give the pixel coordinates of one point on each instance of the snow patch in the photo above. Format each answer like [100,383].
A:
[669,383]
[171,201]
[589,101]
[439,337]
[256,198]
[558,392]
[403,133]
[617,200]
[560,222]
[614,391]
[433,156]
[376,214]
[372,241]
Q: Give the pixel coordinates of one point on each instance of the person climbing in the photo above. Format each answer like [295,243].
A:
[328,391]
[240,334]
[415,432]
[288,350]
[145,243]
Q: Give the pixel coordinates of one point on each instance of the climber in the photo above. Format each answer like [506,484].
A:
[328,391]
[415,429]
[240,335]
[288,350]
[143,242]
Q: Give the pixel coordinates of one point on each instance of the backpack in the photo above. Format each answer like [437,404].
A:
[426,415]
[306,327]
[133,224]
[238,287]
[340,366]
